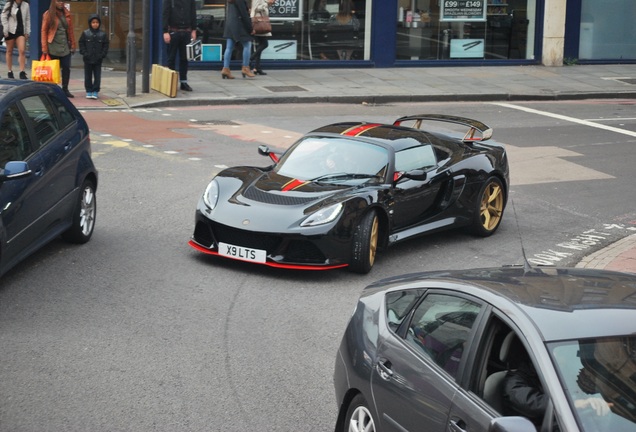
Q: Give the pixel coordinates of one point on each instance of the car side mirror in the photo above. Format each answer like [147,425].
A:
[511,424]
[15,170]
[263,150]
[416,174]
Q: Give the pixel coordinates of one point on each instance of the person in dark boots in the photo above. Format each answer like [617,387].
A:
[179,18]
[16,25]
[93,45]
[260,8]
[58,40]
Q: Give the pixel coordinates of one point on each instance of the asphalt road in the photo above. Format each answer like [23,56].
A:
[135,331]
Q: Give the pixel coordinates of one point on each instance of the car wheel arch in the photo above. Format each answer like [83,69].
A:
[344,407]
[348,400]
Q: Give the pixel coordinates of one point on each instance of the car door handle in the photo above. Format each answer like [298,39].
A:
[384,369]
[457,425]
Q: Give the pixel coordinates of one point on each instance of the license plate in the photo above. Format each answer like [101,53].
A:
[242,253]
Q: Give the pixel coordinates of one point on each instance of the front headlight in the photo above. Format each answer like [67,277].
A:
[323,216]
[211,194]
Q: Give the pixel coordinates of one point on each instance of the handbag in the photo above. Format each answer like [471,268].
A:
[46,70]
[261,24]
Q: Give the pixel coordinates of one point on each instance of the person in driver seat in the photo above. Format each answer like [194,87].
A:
[523,394]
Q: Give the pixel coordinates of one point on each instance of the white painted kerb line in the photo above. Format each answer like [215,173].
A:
[566,118]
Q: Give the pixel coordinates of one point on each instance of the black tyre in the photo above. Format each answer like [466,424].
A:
[83,216]
[359,418]
[365,244]
[490,208]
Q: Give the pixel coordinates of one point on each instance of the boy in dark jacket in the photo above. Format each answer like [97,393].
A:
[93,45]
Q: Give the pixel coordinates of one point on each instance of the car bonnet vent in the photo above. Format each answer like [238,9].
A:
[256,194]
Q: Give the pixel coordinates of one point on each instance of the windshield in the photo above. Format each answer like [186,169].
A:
[331,159]
[599,378]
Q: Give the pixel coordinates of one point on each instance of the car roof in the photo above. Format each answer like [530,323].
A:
[562,303]
[8,86]
[397,137]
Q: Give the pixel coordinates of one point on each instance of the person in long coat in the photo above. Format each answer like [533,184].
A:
[58,39]
[238,28]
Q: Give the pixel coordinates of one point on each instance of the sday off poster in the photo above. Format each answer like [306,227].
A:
[286,10]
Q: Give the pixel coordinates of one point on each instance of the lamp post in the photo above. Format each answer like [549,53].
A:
[131,59]
[145,77]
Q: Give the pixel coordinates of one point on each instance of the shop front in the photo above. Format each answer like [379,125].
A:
[115,18]
[382,33]
[386,33]
[600,31]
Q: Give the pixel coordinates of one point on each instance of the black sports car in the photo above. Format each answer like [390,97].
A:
[347,189]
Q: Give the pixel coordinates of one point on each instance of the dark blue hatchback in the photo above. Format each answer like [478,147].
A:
[47,177]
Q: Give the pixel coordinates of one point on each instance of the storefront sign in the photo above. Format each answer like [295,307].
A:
[281,50]
[467,48]
[463,10]
[286,10]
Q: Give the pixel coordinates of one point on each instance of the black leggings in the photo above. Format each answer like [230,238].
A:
[261,44]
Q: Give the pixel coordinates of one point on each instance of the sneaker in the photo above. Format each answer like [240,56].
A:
[23,75]
[185,86]
[10,75]
[89,95]
[95,95]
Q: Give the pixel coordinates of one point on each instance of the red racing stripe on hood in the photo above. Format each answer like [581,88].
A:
[359,130]
[293,184]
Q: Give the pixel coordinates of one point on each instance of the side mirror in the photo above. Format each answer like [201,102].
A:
[511,424]
[263,150]
[416,174]
[15,170]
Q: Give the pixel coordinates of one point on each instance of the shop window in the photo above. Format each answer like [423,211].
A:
[301,30]
[460,30]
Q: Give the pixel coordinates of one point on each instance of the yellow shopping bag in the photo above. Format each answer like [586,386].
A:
[46,70]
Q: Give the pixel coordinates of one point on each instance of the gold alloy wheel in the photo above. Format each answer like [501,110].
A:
[373,240]
[492,204]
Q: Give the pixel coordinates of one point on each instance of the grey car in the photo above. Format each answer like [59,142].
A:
[499,349]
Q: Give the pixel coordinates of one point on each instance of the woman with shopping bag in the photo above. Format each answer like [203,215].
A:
[58,40]
[260,10]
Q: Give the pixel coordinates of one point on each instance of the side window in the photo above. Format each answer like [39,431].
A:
[508,379]
[399,304]
[42,116]
[65,116]
[440,327]
[420,157]
[14,137]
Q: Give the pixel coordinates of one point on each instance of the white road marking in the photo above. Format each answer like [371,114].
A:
[566,118]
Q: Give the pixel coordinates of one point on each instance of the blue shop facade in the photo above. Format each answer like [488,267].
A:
[390,33]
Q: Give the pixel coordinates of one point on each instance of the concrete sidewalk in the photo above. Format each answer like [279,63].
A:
[374,86]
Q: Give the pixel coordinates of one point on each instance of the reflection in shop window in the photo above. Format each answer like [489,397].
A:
[459,30]
[301,30]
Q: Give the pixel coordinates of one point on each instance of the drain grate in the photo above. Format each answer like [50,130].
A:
[280,89]
[631,81]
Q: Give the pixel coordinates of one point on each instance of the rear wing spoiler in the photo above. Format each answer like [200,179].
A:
[485,132]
